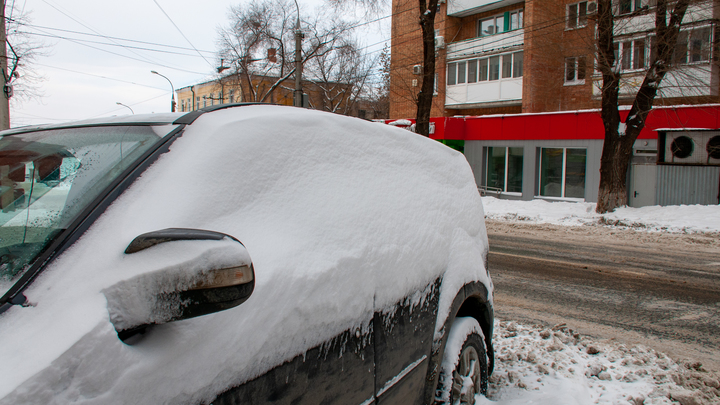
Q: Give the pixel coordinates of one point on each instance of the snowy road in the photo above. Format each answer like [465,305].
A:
[657,289]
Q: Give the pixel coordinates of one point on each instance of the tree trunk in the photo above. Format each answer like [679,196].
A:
[619,139]
[425,97]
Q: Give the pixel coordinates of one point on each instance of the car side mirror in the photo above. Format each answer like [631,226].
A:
[220,277]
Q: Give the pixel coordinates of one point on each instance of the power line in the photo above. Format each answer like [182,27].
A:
[99,76]
[107,37]
[107,44]
[131,58]
[91,29]
[181,33]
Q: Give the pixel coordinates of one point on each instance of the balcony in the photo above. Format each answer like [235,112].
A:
[464,8]
[485,94]
[478,46]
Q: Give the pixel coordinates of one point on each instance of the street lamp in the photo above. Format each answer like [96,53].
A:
[128,107]
[172,103]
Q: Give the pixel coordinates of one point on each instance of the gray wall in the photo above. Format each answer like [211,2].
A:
[688,184]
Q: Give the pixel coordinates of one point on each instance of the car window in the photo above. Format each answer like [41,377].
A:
[48,177]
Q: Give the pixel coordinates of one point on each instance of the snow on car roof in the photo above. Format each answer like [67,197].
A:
[342,217]
[140,119]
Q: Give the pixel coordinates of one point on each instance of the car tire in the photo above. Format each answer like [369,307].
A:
[464,371]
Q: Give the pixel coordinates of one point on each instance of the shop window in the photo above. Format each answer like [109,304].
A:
[576,15]
[562,172]
[505,169]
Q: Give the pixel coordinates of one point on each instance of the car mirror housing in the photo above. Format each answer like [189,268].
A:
[184,290]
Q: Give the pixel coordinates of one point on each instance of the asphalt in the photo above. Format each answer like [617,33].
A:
[658,290]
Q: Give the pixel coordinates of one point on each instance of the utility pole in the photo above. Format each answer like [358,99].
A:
[7,90]
[298,61]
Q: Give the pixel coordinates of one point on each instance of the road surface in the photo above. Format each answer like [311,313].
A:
[660,290]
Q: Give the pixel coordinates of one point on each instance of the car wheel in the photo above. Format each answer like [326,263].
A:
[464,370]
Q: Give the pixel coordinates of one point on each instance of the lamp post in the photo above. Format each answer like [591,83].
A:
[128,107]
[172,88]
[298,61]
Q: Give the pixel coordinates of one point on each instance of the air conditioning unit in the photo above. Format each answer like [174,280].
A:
[690,147]
[591,7]
[439,42]
[417,70]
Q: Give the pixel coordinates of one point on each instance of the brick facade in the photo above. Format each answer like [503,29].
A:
[549,44]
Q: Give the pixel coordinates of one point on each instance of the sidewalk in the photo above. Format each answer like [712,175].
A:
[673,219]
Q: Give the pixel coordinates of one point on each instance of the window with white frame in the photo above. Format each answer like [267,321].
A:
[505,169]
[562,172]
[575,69]
[504,66]
[629,6]
[633,54]
[231,94]
[693,46]
[576,15]
[511,20]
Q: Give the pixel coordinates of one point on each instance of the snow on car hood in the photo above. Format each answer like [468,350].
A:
[340,217]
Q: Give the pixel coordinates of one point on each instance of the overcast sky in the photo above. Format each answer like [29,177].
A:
[91,65]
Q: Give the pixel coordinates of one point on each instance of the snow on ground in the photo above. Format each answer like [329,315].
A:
[675,219]
[556,366]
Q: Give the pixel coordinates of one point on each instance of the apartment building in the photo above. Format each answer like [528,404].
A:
[520,78]
[515,56]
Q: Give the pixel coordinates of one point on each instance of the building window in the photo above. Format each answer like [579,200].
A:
[575,68]
[505,169]
[232,96]
[197,104]
[212,99]
[562,172]
[452,73]
[472,71]
[188,104]
[505,66]
[516,20]
[204,101]
[491,26]
[576,15]
[511,20]
[436,83]
[518,64]
[633,54]
[693,46]
[629,6]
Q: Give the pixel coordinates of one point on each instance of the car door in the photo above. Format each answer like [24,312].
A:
[337,372]
[403,341]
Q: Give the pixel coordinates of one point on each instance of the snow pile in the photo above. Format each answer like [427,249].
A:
[676,218]
[556,366]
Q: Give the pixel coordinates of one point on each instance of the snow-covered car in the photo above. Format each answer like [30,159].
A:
[240,254]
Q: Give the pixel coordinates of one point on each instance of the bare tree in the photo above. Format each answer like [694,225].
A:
[19,78]
[259,48]
[620,137]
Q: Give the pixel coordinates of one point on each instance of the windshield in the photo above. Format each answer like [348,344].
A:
[48,177]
